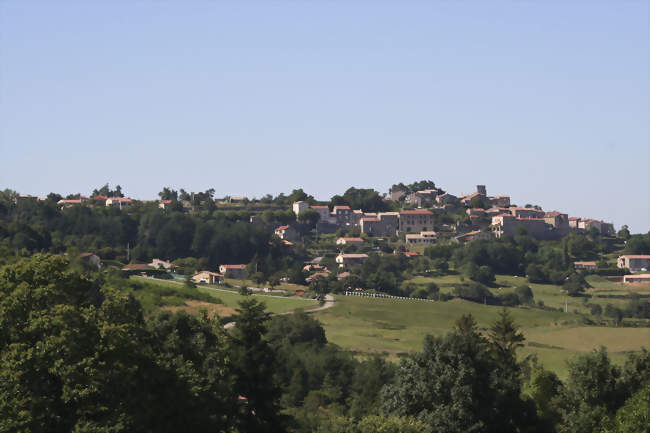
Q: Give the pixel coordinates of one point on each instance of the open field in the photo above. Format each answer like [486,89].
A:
[399,326]
[213,294]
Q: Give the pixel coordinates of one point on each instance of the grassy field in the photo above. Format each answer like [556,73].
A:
[175,296]
[399,326]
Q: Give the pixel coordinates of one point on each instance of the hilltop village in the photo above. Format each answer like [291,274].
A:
[347,230]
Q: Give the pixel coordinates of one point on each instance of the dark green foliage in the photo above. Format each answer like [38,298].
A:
[367,200]
[525,294]
[76,356]
[575,284]
[638,244]
[475,292]
[456,384]
[592,392]
[254,365]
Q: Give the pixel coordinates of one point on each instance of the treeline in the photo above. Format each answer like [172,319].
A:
[138,234]
[76,355]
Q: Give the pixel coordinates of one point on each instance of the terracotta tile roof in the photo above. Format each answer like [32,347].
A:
[319,207]
[354,256]
[341,207]
[120,199]
[281,228]
[530,219]
[637,276]
[234,266]
[574,218]
[165,201]
[352,239]
[636,256]
[585,263]
[370,219]
[416,212]
[410,254]
[135,266]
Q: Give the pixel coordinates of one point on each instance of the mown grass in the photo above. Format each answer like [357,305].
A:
[158,293]
[155,294]
[394,327]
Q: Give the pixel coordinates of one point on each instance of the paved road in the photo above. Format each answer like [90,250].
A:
[329,303]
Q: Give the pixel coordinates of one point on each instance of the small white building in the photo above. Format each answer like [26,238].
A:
[349,241]
[300,206]
[207,277]
[118,202]
[351,259]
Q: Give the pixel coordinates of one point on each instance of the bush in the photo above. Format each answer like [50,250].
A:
[525,294]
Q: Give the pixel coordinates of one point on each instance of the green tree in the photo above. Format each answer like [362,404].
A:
[591,394]
[254,366]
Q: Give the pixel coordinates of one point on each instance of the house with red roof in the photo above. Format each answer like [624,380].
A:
[351,259]
[415,220]
[590,266]
[207,277]
[634,262]
[237,272]
[286,233]
[118,202]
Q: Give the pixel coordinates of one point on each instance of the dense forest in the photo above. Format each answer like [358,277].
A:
[77,354]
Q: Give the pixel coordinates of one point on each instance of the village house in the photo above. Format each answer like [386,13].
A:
[207,277]
[91,258]
[421,238]
[323,212]
[118,202]
[349,241]
[341,214]
[351,259]
[446,198]
[71,202]
[590,266]
[25,197]
[416,220]
[634,262]
[526,212]
[314,268]
[384,224]
[638,278]
[508,225]
[300,206]
[133,267]
[473,235]
[162,264]
[164,204]
[396,194]
[499,201]
[286,233]
[574,222]
[237,199]
[559,221]
[236,272]
[423,198]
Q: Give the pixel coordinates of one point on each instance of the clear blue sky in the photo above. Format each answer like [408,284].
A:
[548,102]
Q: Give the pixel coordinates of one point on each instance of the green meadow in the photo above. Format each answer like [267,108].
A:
[396,327]
[161,293]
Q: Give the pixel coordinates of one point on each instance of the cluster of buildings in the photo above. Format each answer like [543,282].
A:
[495,217]
[631,262]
